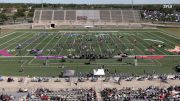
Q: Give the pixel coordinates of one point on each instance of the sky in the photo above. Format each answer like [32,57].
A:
[95,1]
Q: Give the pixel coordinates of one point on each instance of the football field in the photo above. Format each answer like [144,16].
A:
[21,48]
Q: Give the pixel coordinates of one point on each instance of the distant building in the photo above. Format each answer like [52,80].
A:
[10,10]
[13,10]
[29,8]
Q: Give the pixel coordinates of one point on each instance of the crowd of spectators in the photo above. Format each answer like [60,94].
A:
[148,94]
[108,94]
[155,15]
[146,76]
[6,97]
[63,95]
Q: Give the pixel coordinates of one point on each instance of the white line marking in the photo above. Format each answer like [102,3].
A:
[7,35]
[13,39]
[24,37]
[57,41]
[167,33]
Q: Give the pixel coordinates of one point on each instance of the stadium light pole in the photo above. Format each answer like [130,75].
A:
[0,31]
[132,4]
[42,4]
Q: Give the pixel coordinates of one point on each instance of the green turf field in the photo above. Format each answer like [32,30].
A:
[76,43]
[172,31]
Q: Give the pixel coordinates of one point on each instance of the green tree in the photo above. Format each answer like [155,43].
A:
[19,14]
[14,17]
[3,17]
[30,14]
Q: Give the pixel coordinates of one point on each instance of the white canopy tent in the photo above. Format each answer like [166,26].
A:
[98,72]
[68,73]
[88,26]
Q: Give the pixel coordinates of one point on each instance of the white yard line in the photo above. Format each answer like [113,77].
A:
[90,46]
[64,44]
[167,33]
[141,45]
[75,40]
[27,45]
[88,31]
[164,39]
[38,44]
[161,38]
[128,55]
[30,62]
[136,46]
[43,47]
[7,34]
[57,41]
[121,41]
[9,46]
[13,39]
[154,47]
[83,36]
[81,65]
[115,43]
[139,31]
[99,46]
[160,64]
[107,45]
[49,41]
[131,44]
[24,62]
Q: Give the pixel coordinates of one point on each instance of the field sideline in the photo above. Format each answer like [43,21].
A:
[110,43]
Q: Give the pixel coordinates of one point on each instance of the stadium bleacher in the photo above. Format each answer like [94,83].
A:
[137,15]
[70,15]
[105,15]
[36,16]
[128,16]
[116,15]
[78,16]
[59,15]
[63,95]
[46,15]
